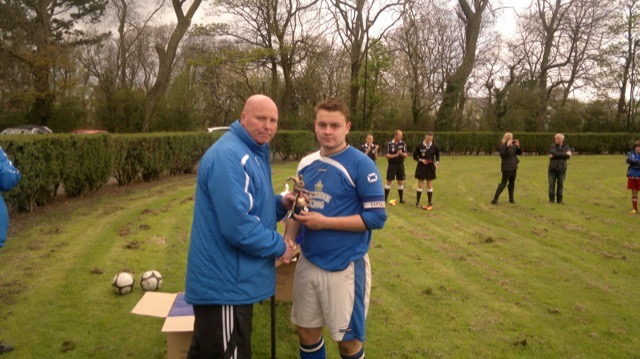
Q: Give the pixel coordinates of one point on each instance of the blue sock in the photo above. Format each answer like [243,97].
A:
[358,355]
[314,351]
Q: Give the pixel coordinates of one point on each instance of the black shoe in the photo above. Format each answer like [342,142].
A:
[512,202]
[494,202]
[5,348]
[417,205]
[402,201]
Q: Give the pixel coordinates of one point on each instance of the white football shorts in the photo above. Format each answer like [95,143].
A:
[337,300]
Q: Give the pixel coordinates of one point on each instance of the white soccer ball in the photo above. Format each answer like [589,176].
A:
[151,280]
[123,283]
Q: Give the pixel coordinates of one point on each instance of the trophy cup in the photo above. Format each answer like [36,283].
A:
[299,192]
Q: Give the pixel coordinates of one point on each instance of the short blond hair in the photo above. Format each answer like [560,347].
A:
[505,137]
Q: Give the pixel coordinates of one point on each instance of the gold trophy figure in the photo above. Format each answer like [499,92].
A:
[300,193]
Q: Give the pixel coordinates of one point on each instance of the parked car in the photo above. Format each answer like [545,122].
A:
[89,132]
[26,130]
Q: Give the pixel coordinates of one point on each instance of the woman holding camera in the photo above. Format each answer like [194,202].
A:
[509,149]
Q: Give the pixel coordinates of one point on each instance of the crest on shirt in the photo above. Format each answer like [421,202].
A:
[319,186]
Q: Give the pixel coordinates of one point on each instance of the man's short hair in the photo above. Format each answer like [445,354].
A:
[334,104]
[636,144]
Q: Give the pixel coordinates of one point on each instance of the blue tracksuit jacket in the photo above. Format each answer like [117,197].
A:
[234,242]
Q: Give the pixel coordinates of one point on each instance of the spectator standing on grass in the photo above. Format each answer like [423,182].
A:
[509,149]
[396,153]
[369,148]
[559,153]
[633,175]
[428,157]
[234,242]
[9,178]
[333,276]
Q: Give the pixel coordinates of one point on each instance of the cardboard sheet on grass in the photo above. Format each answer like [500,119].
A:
[178,323]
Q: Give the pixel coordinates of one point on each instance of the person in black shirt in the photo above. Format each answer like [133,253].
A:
[396,153]
[428,158]
[369,148]
[559,153]
[509,149]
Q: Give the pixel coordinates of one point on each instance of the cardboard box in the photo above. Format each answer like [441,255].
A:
[179,319]
[178,323]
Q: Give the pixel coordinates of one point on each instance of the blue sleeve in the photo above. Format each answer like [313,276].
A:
[281,211]
[9,175]
[371,192]
[234,193]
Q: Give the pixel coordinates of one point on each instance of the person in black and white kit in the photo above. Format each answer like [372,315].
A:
[396,153]
[369,148]
[428,158]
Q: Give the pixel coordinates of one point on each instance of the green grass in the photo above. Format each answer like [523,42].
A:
[466,280]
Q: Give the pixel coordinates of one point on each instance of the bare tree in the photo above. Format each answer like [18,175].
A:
[587,24]
[281,29]
[471,15]
[166,56]
[427,48]
[618,60]
[354,20]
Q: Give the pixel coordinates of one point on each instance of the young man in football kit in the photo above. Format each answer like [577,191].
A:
[369,148]
[396,153]
[346,202]
[428,158]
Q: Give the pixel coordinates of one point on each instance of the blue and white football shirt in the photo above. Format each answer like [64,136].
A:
[343,184]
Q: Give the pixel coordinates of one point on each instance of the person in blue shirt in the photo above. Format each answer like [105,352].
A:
[345,204]
[234,242]
[633,175]
[9,178]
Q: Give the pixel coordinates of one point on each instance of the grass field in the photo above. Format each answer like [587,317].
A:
[466,280]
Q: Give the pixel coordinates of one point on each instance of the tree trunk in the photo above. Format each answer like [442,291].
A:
[166,56]
[454,92]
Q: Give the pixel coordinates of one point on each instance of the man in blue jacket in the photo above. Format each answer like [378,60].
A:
[9,178]
[234,242]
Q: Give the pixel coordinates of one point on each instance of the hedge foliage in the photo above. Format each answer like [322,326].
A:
[476,143]
[84,163]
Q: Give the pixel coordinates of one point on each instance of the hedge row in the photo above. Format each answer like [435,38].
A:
[475,143]
[84,163]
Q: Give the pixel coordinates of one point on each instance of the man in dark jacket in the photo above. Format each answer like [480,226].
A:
[559,153]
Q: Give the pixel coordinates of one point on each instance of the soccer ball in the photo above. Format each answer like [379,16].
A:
[123,283]
[151,280]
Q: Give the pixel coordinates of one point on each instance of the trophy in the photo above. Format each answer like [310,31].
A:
[299,192]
